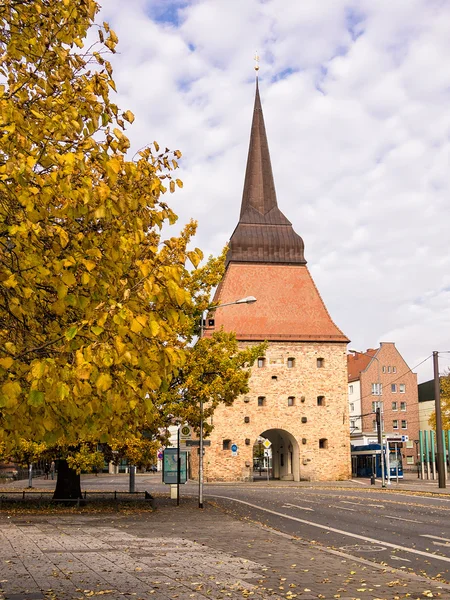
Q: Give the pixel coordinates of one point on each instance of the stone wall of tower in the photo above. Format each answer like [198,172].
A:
[276,382]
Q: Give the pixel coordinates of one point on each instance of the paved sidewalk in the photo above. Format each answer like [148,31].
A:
[182,553]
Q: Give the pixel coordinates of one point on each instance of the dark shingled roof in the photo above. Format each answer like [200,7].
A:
[263,233]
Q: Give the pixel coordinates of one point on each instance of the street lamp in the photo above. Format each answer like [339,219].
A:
[378,416]
[246,300]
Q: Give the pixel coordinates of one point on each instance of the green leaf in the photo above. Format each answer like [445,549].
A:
[71,332]
[36,398]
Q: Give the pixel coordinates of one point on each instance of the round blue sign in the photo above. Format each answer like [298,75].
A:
[234,447]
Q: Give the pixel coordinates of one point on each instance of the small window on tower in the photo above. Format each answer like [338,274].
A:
[290,363]
[261,363]
[226,444]
[261,400]
[320,363]
[323,443]
[291,401]
[320,400]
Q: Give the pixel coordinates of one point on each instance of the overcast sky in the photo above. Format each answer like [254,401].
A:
[356,100]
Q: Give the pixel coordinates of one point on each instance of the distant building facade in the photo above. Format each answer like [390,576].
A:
[382,375]
[298,390]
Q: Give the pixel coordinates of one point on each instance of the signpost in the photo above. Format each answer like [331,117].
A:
[234,450]
[267,443]
[197,442]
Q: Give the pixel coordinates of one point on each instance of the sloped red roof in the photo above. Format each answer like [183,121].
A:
[288,307]
[358,362]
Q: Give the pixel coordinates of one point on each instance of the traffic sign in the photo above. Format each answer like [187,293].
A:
[405,438]
[267,444]
[234,448]
[197,442]
[185,432]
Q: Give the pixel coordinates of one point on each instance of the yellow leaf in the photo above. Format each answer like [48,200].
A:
[128,116]
[104,382]
[68,278]
[7,362]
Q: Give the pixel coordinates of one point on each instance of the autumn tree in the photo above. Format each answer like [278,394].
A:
[444,382]
[97,310]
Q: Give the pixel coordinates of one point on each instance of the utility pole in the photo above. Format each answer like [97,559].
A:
[437,402]
[380,441]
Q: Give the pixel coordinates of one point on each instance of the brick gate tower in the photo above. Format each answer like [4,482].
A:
[298,390]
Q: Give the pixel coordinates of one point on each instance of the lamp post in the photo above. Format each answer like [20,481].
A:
[246,300]
[379,417]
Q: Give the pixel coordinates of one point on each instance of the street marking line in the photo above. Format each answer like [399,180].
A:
[401,519]
[445,544]
[399,558]
[296,506]
[340,531]
[341,507]
[360,482]
[362,504]
[435,537]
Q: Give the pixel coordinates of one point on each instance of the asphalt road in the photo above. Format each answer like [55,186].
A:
[401,530]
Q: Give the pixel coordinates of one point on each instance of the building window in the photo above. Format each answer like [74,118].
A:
[352,406]
[402,405]
[226,444]
[402,388]
[410,460]
[376,405]
[410,444]
[394,369]
[320,363]
[377,389]
[374,425]
[389,369]
[350,389]
[394,406]
[261,400]
[274,377]
[290,363]
[323,443]
[404,424]
[384,369]
[353,424]
[395,424]
[261,363]
[394,388]
[320,400]
[291,401]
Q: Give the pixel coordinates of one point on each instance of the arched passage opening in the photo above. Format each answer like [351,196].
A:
[281,460]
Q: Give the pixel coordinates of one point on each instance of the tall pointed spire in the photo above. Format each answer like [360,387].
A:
[263,233]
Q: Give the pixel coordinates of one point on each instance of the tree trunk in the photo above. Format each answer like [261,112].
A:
[68,483]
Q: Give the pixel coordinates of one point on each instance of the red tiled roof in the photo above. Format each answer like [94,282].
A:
[288,308]
[358,362]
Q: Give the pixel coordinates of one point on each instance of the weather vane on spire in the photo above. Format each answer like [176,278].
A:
[256,58]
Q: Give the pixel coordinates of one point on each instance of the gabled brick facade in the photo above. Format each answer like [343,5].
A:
[399,394]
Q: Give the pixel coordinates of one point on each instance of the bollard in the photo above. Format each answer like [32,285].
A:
[372,479]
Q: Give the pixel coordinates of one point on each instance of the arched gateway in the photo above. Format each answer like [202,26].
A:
[280,460]
[298,390]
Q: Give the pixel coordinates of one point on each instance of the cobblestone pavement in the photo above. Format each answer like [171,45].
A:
[180,553]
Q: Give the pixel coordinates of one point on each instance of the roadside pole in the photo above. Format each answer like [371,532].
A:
[437,403]
[178,465]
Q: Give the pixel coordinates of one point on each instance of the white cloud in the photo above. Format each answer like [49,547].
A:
[356,99]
